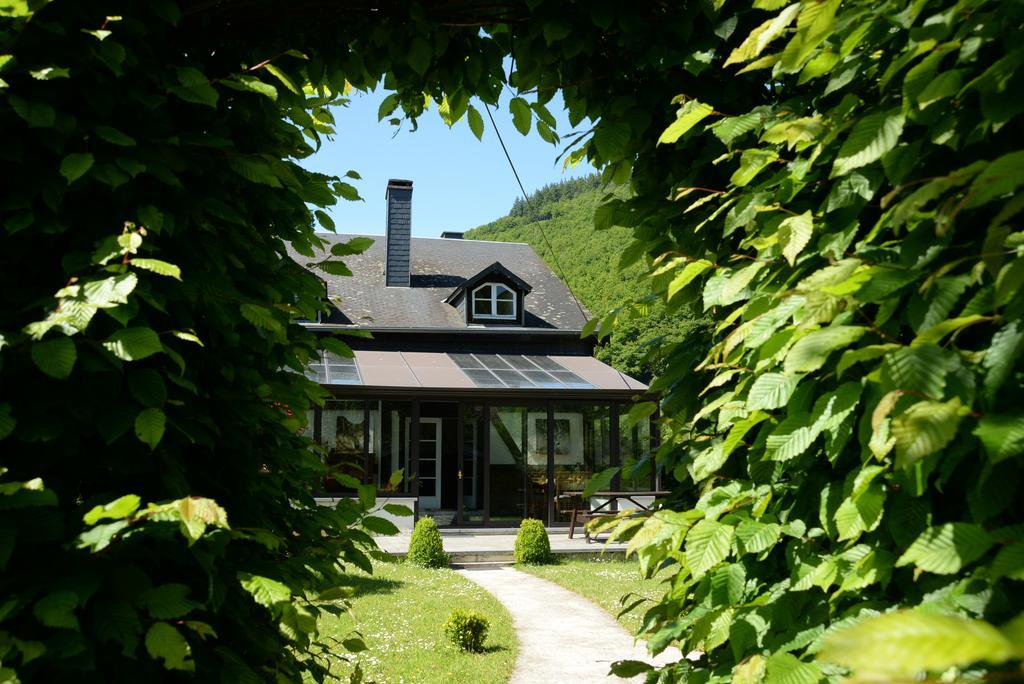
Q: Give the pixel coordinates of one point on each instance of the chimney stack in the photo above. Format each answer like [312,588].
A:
[398,233]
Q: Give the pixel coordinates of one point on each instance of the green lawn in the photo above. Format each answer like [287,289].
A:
[400,609]
[604,581]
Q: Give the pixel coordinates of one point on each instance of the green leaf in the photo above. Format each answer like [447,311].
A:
[379,525]
[356,245]
[337,268]
[74,166]
[57,609]
[420,55]
[253,84]
[266,591]
[812,350]
[367,495]
[149,426]
[114,136]
[100,537]
[168,601]
[755,537]
[147,387]
[868,353]
[689,115]
[132,344]
[1009,562]
[792,437]
[261,317]
[285,80]
[398,510]
[944,85]
[1001,435]
[730,128]
[902,644]
[871,137]
[630,668]
[691,271]
[785,668]
[762,36]
[925,428]
[947,548]
[164,642]
[861,512]
[752,162]
[921,368]
[707,544]
[1000,177]
[794,234]
[1007,345]
[55,357]
[110,292]
[612,140]
[599,482]
[7,421]
[119,508]
[771,391]
[521,116]
[815,23]
[37,114]
[159,267]
[476,122]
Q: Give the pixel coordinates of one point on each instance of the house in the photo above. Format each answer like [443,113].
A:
[476,381]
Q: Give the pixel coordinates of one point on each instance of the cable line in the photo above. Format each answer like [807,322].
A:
[540,224]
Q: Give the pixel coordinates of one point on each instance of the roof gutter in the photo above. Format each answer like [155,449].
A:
[504,330]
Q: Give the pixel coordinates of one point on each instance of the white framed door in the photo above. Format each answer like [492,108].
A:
[429,479]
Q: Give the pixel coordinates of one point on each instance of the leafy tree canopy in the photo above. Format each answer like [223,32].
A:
[836,184]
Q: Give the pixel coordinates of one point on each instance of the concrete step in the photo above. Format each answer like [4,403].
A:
[481,565]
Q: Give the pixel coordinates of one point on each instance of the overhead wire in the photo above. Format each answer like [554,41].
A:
[540,225]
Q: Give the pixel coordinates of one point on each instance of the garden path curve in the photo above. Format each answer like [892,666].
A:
[563,637]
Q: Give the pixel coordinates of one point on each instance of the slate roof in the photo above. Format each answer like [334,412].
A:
[438,267]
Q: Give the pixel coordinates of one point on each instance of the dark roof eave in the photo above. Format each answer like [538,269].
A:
[503,330]
[490,393]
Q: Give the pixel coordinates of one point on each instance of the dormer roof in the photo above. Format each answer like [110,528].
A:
[495,270]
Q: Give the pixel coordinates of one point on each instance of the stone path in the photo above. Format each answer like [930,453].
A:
[563,637]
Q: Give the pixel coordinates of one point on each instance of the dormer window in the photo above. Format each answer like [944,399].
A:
[494,301]
[493,297]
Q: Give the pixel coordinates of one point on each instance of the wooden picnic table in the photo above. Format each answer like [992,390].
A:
[584,515]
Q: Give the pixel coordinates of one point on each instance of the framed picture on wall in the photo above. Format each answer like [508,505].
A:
[568,429]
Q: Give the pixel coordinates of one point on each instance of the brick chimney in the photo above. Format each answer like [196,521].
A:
[398,233]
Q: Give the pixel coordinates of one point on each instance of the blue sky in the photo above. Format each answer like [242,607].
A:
[458,181]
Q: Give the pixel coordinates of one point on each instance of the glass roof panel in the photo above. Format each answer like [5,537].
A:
[465,361]
[513,378]
[491,361]
[546,363]
[517,371]
[482,378]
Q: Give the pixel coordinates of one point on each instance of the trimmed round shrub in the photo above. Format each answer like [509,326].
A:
[466,630]
[532,544]
[425,546]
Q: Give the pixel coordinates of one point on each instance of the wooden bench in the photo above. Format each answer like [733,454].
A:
[582,516]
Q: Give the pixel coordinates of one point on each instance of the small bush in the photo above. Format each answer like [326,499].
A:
[467,630]
[425,546]
[532,544]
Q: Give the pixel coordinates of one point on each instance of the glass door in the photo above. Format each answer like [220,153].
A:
[429,479]
[470,471]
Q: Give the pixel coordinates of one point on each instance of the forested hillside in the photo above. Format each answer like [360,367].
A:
[588,260]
